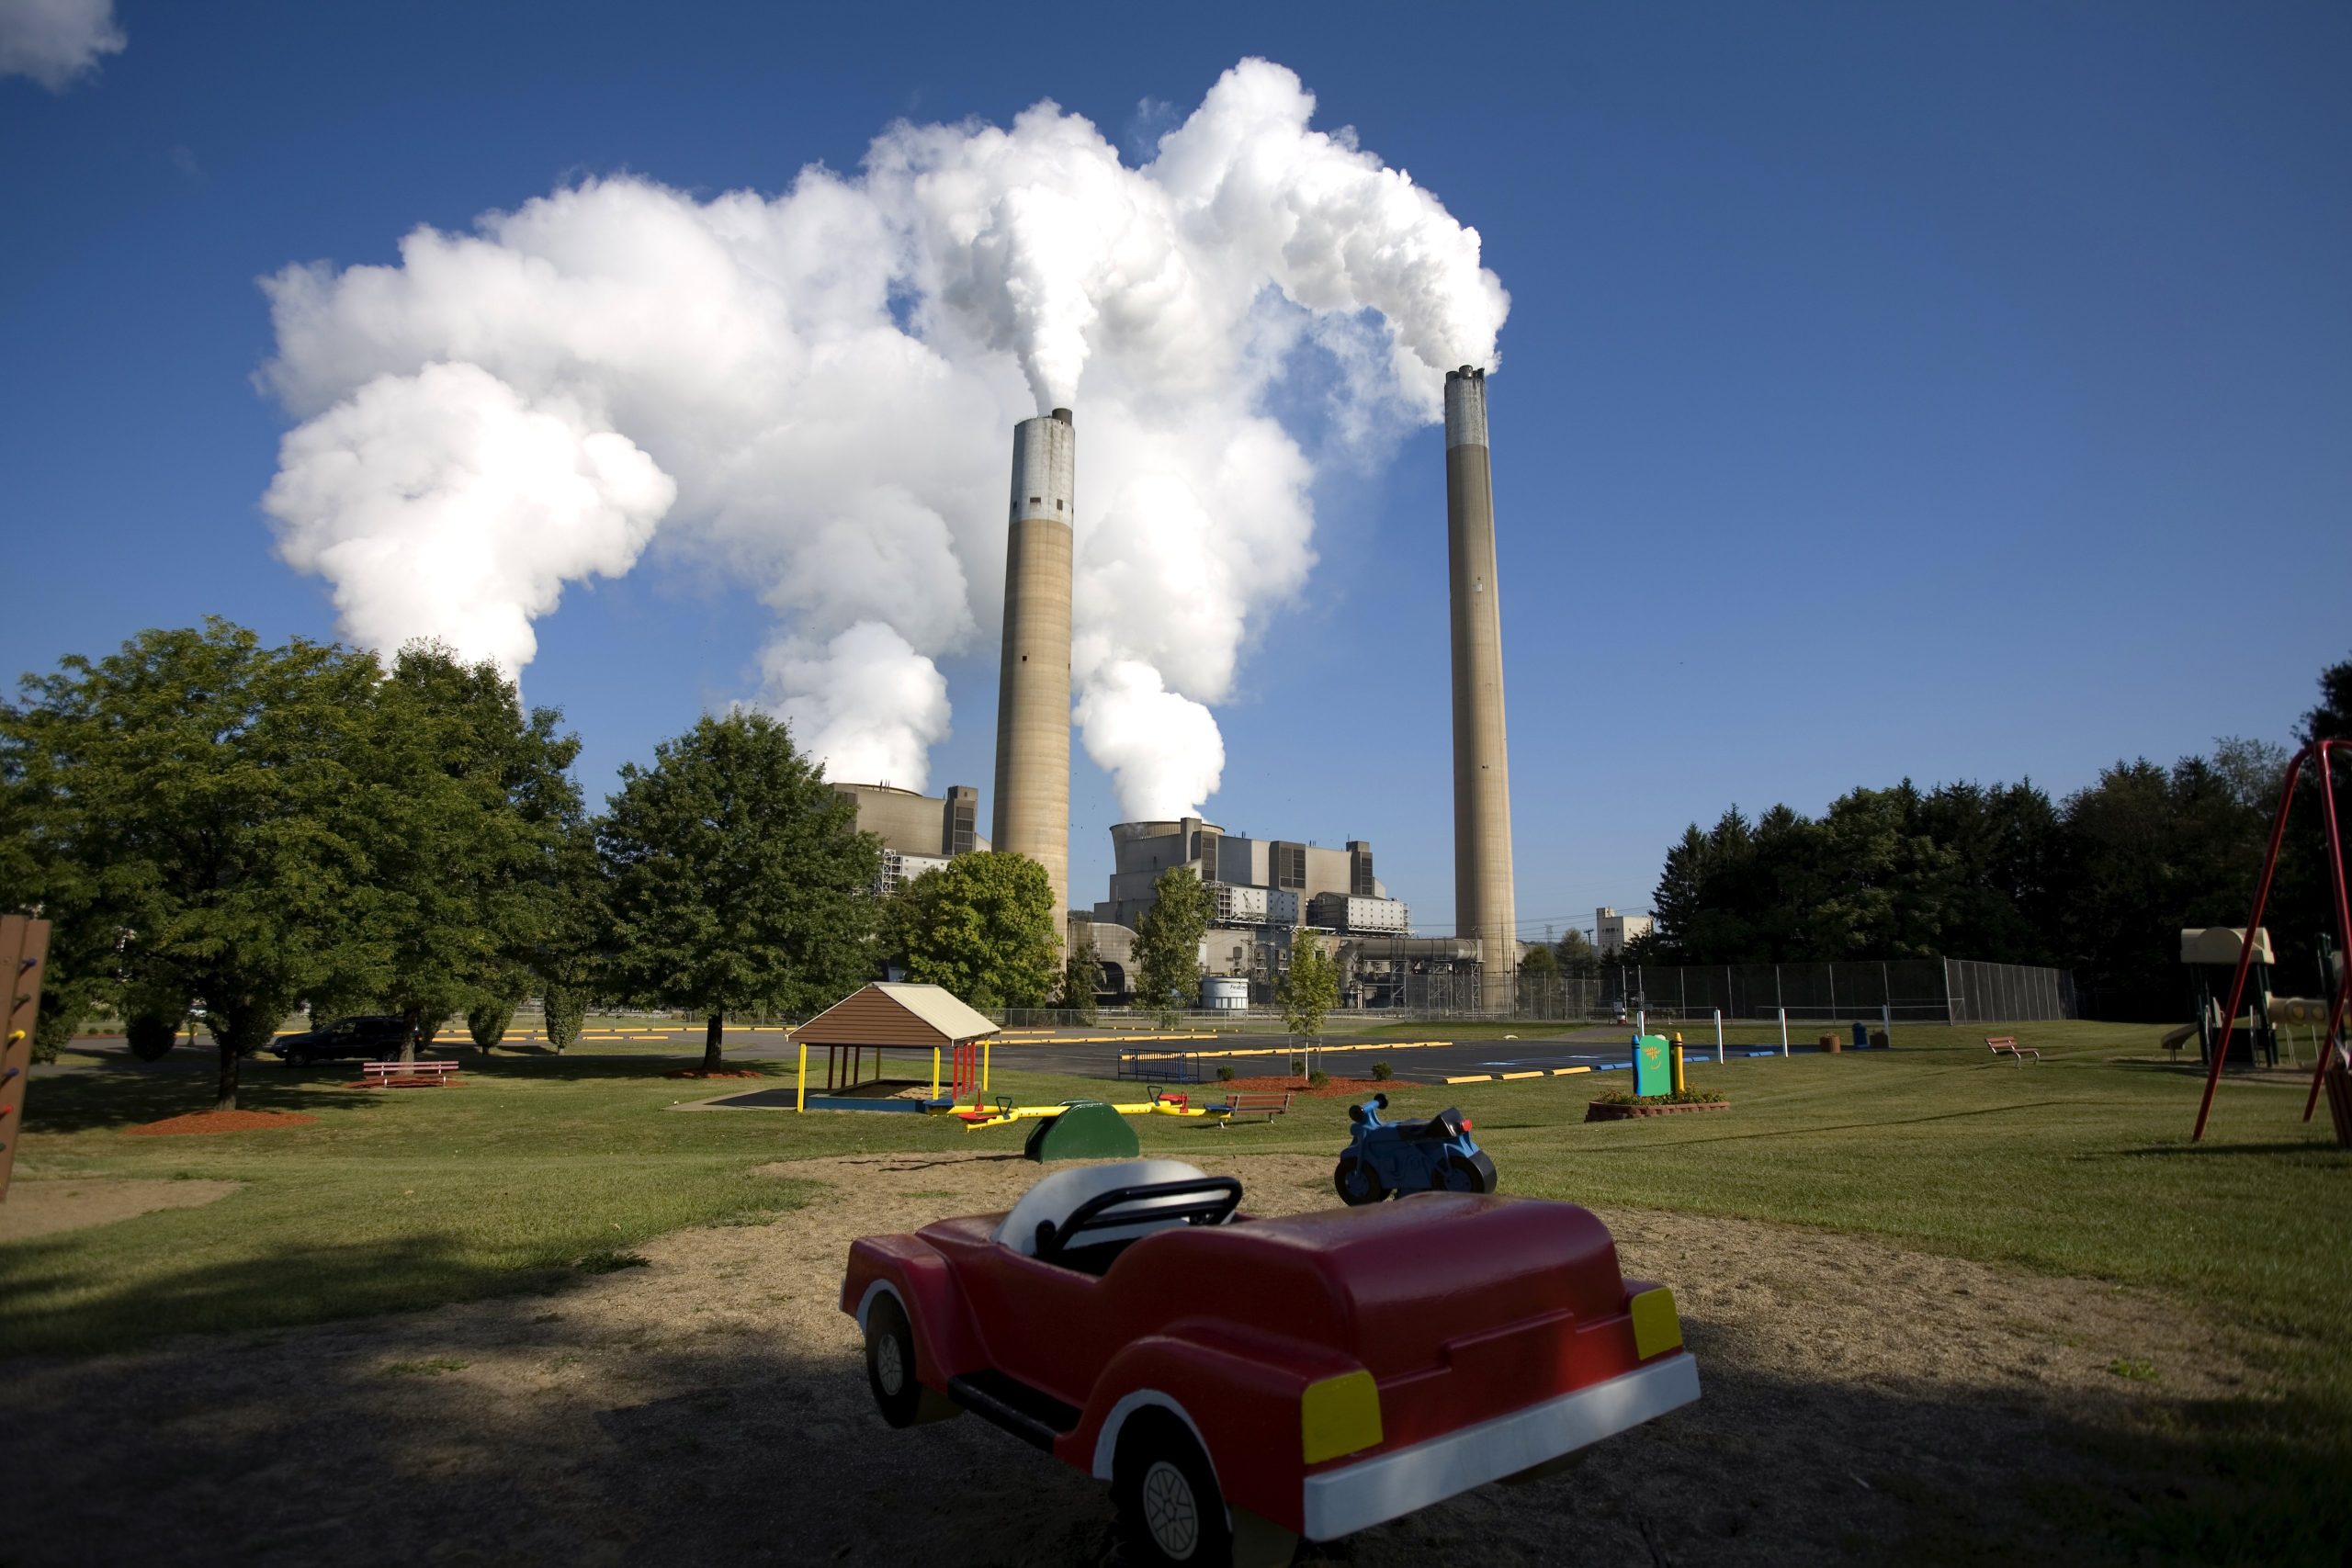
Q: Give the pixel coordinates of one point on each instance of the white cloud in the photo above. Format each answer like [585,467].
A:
[55,41]
[832,374]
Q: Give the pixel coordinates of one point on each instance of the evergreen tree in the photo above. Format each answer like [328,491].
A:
[738,879]
[1081,979]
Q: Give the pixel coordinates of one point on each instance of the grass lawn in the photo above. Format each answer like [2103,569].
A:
[2078,1164]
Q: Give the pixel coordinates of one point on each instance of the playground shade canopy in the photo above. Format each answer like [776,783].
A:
[888,1014]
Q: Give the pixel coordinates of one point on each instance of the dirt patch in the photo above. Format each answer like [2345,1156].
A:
[44,1208]
[198,1122]
[1862,1404]
[1337,1089]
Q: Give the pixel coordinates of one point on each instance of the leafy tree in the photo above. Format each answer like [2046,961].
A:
[1081,979]
[1168,942]
[2332,720]
[983,927]
[1310,986]
[469,885]
[738,879]
[211,812]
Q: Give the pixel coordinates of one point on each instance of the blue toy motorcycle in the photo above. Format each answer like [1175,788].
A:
[1385,1158]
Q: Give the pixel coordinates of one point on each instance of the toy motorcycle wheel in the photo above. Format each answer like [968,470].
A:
[1466,1173]
[1171,1512]
[1357,1182]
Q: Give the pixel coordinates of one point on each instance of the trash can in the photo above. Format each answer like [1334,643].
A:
[1861,1035]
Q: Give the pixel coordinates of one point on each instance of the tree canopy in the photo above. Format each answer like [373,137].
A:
[737,880]
[1310,986]
[983,927]
[205,818]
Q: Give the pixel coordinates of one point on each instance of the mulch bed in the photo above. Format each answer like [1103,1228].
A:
[1602,1111]
[218,1121]
[716,1073]
[1352,1089]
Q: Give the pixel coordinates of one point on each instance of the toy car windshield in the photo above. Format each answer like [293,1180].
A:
[1083,1218]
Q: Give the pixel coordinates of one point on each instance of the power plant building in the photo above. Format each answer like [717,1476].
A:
[1281,875]
[1032,802]
[919,832]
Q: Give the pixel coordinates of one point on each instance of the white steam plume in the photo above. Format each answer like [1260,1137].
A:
[442,505]
[830,374]
[57,41]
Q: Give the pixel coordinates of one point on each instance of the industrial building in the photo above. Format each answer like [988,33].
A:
[919,832]
[1612,931]
[1252,882]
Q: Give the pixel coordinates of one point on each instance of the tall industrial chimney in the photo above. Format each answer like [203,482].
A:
[1483,902]
[1032,806]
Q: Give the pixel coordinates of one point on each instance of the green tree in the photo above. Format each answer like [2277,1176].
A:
[220,806]
[468,882]
[1539,992]
[983,927]
[1310,986]
[1168,942]
[1081,979]
[738,879]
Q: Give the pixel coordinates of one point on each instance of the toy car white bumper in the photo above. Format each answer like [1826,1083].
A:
[1338,1502]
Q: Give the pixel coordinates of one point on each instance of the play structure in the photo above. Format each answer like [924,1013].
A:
[2210,953]
[1386,1159]
[924,1023]
[2333,1068]
[1241,1382]
[978,1116]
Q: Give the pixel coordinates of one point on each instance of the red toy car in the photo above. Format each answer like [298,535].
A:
[1241,1381]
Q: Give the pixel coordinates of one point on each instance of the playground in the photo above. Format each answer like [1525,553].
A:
[1950,1307]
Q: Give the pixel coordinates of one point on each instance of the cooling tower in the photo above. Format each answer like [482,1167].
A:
[1032,806]
[1482,876]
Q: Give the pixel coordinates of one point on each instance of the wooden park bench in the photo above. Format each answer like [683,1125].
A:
[2008,1043]
[379,1074]
[1264,1105]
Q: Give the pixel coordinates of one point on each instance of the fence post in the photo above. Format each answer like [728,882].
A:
[1886,1020]
[1719,1037]
[1784,1034]
[1951,1016]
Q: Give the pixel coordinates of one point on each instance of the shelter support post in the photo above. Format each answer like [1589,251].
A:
[800,1095]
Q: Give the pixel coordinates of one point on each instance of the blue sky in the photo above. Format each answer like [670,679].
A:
[1957,392]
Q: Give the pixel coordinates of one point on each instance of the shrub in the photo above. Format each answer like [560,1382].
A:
[488,1021]
[150,1036]
[1382,1072]
[567,1010]
[1298,1064]
[1319,1079]
[1224,1072]
[1688,1097]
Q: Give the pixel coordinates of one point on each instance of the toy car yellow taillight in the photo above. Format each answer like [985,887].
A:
[1339,1415]
[1657,1327]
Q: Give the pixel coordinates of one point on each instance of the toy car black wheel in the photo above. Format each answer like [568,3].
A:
[1467,1173]
[1169,1510]
[890,1362]
[1357,1182]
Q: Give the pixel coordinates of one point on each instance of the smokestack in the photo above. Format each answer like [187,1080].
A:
[1032,804]
[1483,899]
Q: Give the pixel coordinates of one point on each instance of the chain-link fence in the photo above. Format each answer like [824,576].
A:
[1926,990]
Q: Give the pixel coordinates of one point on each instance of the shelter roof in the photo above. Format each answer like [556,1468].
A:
[892,1014]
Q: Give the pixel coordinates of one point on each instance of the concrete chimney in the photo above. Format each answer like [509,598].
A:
[1483,896]
[1032,804]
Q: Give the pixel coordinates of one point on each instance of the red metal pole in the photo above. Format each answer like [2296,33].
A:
[2343,917]
[2245,948]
